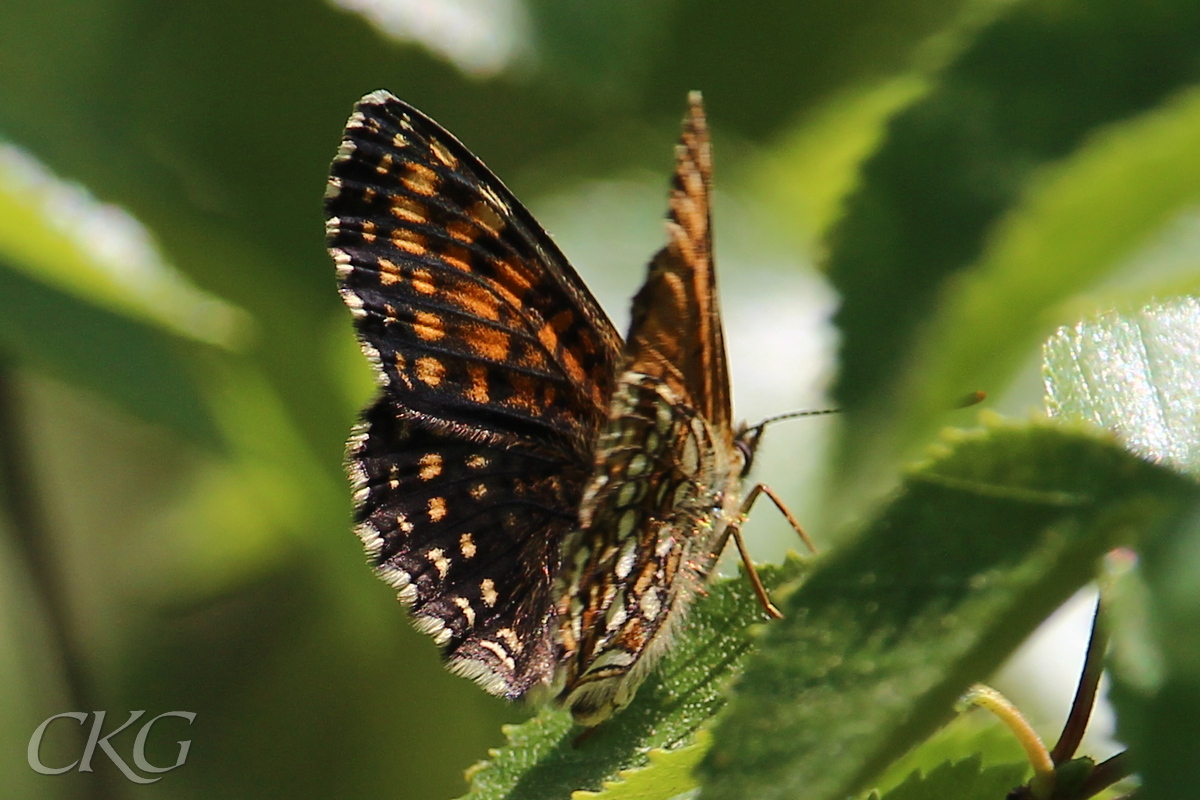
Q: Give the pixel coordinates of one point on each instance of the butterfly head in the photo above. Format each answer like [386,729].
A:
[747,437]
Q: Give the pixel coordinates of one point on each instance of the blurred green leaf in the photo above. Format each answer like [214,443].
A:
[140,367]
[1075,226]
[542,758]
[762,63]
[601,46]
[968,735]
[978,547]
[1026,93]
[808,175]
[56,232]
[1158,707]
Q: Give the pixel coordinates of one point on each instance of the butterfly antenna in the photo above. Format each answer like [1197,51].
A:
[792,415]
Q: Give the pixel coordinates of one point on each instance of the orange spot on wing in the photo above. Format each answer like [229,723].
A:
[409,209]
[463,230]
[423,281]
[513,278]
[389,273]
[431,466]
[409,241]
[532,357]
[477,390]
[428,326]
[574,369]
[489,342]
[456,256]
[477,301]
[548,337]
[437,508]
[421,179]
[430,371]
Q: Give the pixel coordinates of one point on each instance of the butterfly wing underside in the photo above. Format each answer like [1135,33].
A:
[667,474]
[496,366]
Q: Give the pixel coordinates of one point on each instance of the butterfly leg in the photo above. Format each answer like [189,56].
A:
[760,591]
[762,488]
[735,530]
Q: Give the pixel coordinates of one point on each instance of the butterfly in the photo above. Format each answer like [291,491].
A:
[546,497]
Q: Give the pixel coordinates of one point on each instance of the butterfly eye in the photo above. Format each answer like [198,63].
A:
[746,448]
[746,442]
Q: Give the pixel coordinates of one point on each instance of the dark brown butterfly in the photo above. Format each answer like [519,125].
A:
[546,498]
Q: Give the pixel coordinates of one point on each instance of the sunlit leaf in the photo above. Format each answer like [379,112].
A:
[668,775]
[1136,373]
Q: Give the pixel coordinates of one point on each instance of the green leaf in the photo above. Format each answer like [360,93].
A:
[973,733]
[543,758]
[668,775]
[977,548]
[1158,708]
[963,780]
[806,177]
[58,233]
[1137,374]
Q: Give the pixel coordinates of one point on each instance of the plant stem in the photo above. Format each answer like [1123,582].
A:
[1085,692]
[1105,774]
[31,534]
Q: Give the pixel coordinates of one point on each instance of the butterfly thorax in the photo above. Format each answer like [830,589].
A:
[665,488]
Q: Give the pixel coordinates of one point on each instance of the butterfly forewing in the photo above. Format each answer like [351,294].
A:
[468,309]
[676,329]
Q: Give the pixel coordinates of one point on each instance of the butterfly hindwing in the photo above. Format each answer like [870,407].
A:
[466,533]
[667,479]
